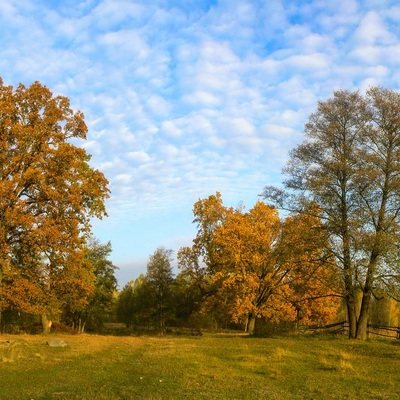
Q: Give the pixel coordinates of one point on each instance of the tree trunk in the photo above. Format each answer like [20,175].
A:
[351,316]
[1,294]
[46,324]
[363,319]
[251,324]
[162,319]
[362,325]
[297,321]
[348,269]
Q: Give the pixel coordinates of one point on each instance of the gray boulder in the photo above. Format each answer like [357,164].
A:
[57,343]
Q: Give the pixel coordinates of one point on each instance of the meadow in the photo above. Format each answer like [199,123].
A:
[212,366]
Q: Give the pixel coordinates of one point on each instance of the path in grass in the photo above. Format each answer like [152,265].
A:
[207,367]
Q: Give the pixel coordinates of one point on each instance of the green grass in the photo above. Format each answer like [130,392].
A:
[207,367]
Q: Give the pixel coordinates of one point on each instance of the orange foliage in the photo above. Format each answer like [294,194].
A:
[248,262]
[254,265]
[48,193]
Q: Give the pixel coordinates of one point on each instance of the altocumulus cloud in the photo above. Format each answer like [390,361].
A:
[186,98]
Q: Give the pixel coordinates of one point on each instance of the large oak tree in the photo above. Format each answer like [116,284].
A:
[48,195]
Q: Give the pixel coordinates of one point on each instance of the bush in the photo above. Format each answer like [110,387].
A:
[59,327]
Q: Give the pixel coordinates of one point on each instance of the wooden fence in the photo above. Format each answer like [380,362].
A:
[339,327]
[386,331]
[343,328]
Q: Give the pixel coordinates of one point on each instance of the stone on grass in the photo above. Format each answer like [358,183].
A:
[57,343]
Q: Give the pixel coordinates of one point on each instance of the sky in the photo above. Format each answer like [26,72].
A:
[184,98]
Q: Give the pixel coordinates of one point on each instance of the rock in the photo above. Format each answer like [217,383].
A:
[57,343]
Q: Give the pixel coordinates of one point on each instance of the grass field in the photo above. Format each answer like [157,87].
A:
[213,366]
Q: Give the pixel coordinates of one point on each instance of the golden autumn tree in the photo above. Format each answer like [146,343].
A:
[198,264]
[233,260]
[248,266]
[48,194]
[314,289]
[197,261]
[252,264]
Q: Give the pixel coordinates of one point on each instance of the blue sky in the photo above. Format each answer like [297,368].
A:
[186,97]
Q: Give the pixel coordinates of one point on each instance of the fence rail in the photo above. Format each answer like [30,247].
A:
[386,331]
[343,327]
[338,327]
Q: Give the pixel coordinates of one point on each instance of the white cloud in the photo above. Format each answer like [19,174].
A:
[92,147]
[110,13]
[171,129]
[157,105]
[296,92]
[201,98]
[277,131]
[236,126]
[316,44]
[368,54]
[168,151]
[138,156]
[309,63]
[123,178]
[127,44]
[372,30]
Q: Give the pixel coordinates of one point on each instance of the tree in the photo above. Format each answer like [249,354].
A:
[101,300]
[197,262]
[248,264]
[159,277]
[313,282]
[134,304]
[349,166]
[274,269]
[186,299]
[48,195]
[125,304]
